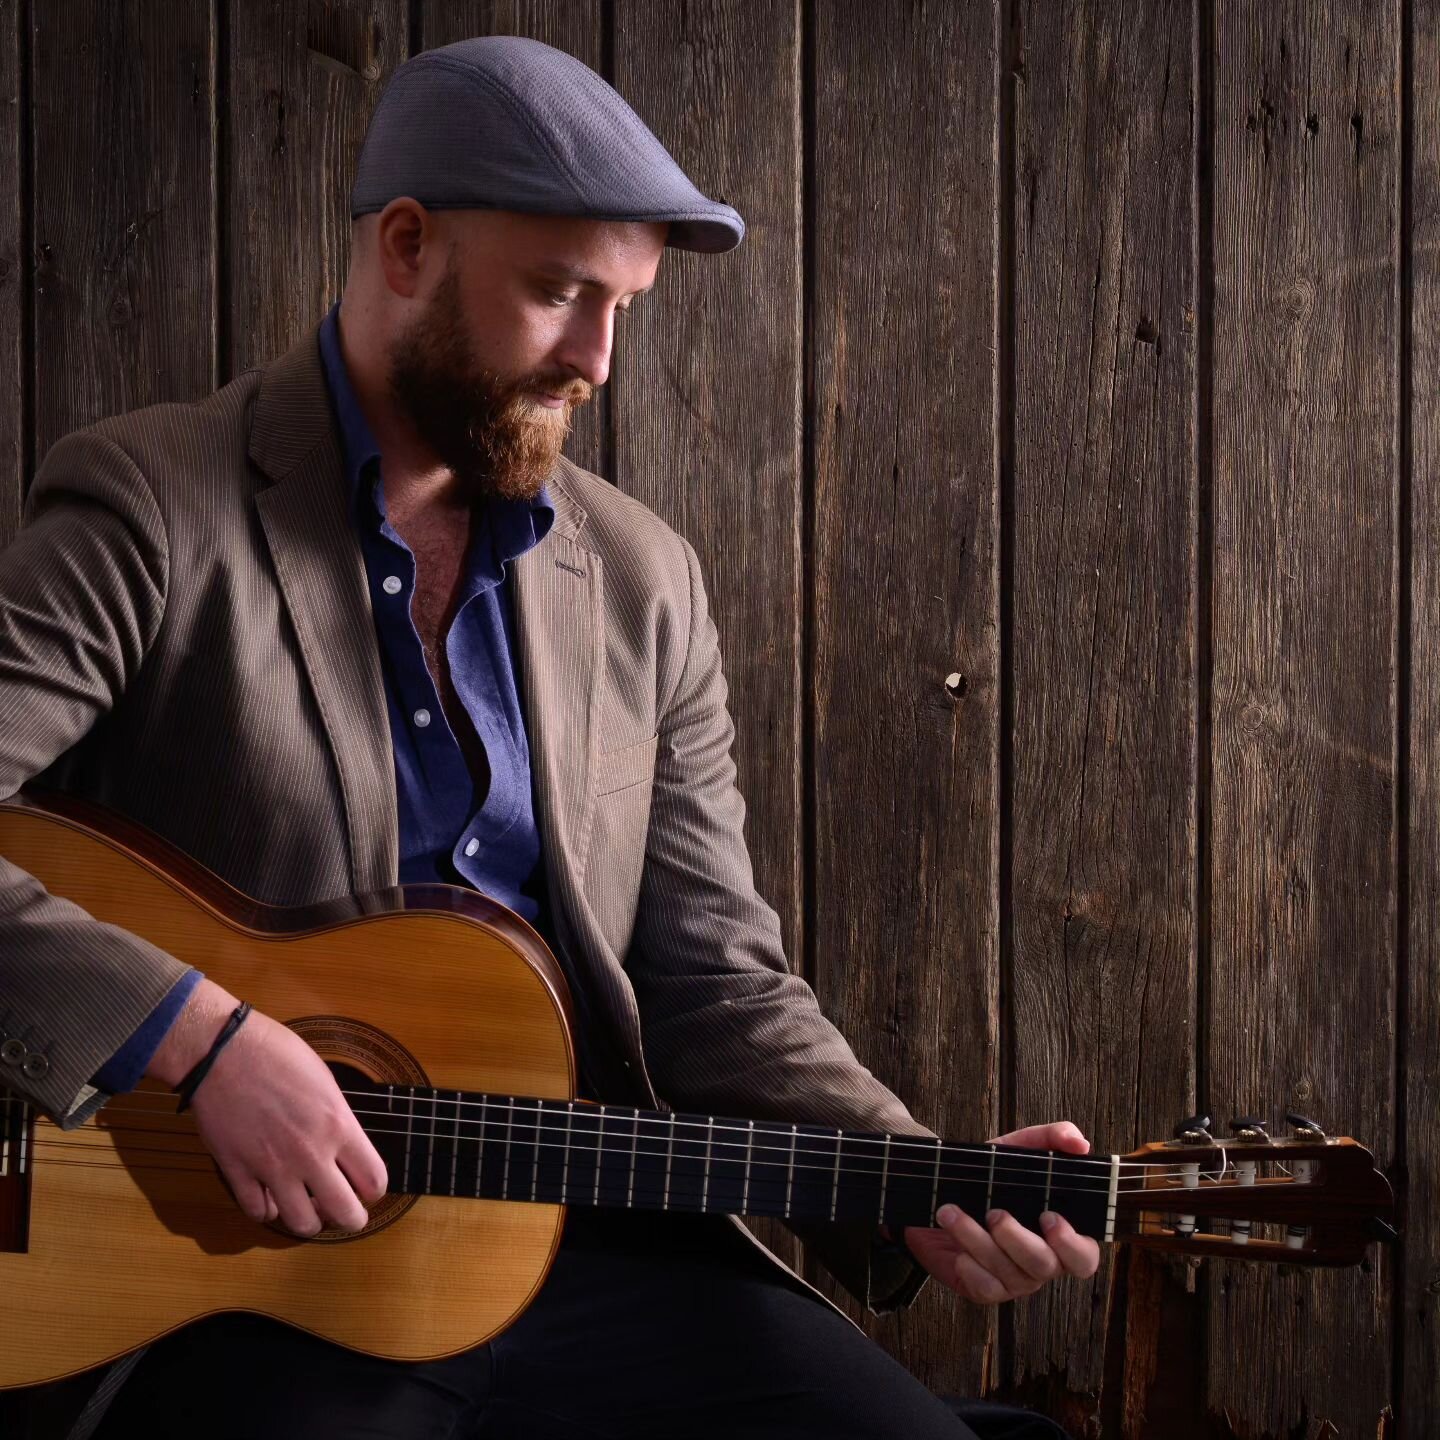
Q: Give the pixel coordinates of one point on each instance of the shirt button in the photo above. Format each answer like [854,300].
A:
[391,584]
[422,718]
[471,846]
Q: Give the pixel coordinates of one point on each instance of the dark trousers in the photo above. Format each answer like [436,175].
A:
[648,1328]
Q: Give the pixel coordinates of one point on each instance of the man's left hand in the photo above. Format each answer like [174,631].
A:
[1001,1259]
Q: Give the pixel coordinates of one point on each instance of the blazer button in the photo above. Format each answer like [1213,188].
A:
[35,1066]
[12,1052]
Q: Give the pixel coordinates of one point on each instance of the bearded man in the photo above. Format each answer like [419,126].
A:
[354,620]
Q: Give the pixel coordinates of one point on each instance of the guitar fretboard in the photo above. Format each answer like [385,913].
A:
[449,1142]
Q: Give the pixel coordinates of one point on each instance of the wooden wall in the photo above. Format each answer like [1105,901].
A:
[1059,447]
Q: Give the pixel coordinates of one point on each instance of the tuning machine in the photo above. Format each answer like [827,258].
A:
[1304,1127]
[1194,1130]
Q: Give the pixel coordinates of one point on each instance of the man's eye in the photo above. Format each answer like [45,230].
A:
[561,299]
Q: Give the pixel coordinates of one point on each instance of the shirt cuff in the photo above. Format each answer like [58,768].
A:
[122,1071]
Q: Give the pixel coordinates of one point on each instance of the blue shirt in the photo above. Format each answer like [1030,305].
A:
[454,827]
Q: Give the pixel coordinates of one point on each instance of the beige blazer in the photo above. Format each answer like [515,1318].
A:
[185,635]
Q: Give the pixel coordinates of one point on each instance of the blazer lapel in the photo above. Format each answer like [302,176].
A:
[321,572]
[559,630]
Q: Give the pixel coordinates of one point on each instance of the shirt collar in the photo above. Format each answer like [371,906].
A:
[515,525]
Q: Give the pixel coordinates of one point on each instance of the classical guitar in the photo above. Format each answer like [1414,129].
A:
[444,1018]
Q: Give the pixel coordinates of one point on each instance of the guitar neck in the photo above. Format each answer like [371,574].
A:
[450,1142]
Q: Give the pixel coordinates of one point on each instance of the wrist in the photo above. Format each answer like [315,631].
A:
[192,1034]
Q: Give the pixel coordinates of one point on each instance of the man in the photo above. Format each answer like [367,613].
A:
[354,619]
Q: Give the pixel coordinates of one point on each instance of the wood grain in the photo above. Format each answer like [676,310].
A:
[1105,614]
[903,398]
[708,391]
[1419,1402]
[302,79]
[122,138]
[1303,854]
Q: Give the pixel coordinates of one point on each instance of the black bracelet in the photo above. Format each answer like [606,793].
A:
[187,1087]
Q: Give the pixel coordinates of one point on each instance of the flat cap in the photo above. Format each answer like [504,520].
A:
[503,122]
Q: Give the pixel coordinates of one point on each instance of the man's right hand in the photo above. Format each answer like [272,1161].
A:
[273,1117]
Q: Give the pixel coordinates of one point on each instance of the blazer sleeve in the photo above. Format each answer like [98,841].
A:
[728,1028]
[82,596]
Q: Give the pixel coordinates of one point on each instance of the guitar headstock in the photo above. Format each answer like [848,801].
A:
[1305,1199]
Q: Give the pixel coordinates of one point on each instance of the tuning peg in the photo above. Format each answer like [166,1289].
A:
[1305,1128]
[1249,1127]
[1197,1127]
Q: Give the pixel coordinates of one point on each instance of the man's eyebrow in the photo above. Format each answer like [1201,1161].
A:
[579,276]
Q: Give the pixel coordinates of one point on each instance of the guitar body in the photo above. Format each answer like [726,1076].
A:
[455,996]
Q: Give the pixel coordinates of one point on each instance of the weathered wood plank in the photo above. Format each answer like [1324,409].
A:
[1104,654]
[904,151]
[577,27]
[303,79]
[123,115]
[1303,855]
[708,384]
[14,276]
[1420,1401]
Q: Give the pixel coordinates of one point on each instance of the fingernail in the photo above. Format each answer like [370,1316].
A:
[1048,1219]
[947,1214]
[993,1217]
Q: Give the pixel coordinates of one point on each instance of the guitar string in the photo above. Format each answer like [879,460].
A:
[1137,1171]
[896,1173]
[624,1115]
[1131,1223]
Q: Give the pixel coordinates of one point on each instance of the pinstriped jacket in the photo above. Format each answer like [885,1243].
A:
[185,635]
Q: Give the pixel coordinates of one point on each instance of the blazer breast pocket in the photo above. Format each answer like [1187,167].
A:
[620,769]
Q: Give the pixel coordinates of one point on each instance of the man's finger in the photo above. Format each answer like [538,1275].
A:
[976,1283]
[1028,1250]
[971,1239]
[1078,1254]
[1058,1135]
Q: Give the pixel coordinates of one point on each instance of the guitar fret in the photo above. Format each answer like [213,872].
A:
[935,1187]
[990,1182]
[669,1160]
[480,1148]
[409,1133]
[509,1129]
[5,1138]
[1049,1176]
[884,1177]
[535,1163]
[749,1157]
[565,1164]
[634,1151]
[705,1179]
[599,1145]
[835,1182]
[430,1151]
[455,1148]
[790,1177]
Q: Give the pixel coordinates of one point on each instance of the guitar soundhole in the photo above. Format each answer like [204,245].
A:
[361,1058]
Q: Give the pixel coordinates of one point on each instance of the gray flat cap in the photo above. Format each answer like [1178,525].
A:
[502,122]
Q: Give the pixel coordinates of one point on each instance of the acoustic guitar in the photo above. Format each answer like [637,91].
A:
[444,1018]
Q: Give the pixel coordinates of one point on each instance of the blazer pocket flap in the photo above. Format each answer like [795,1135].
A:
[619,769]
